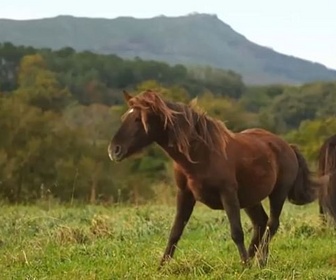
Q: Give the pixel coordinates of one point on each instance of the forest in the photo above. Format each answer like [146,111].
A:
[59,109]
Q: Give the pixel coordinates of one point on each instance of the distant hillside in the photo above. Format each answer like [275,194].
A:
[197,39]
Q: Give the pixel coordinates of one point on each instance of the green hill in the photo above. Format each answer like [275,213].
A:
[197,39]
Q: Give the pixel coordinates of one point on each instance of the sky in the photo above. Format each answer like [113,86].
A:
[302,28]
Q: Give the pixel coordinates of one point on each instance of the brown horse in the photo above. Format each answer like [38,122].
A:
[327,167]
[213,165]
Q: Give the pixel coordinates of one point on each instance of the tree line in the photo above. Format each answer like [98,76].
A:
[59,109]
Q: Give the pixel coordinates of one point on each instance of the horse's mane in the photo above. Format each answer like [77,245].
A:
[184,123]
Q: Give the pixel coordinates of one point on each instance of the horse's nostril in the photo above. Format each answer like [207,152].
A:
[117,150]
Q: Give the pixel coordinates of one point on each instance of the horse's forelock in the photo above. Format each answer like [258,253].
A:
[150,102]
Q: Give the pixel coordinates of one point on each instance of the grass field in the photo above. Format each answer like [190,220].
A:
[120,242]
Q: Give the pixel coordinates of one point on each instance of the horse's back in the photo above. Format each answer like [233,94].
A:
[272,143]
[275,142]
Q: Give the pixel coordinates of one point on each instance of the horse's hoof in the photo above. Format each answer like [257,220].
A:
[246,264]
[262,262]
[163,261]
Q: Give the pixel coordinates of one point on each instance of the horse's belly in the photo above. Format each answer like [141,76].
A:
[213,202]
[255,190]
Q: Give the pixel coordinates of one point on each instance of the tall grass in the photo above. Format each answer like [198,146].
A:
[124,242]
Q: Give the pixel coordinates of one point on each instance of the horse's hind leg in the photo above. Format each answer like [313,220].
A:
[259,219]
[276,205]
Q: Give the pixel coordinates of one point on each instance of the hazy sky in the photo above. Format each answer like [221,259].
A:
[305,29]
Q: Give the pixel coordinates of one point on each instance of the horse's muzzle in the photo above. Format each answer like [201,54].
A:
[115,152]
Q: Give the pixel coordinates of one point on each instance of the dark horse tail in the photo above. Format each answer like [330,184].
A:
[327,168]
[304,190]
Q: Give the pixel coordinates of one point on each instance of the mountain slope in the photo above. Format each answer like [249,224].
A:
[197,39]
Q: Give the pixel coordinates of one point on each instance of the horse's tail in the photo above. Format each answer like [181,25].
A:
[304,190]
[327,169]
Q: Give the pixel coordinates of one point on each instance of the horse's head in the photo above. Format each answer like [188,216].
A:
[141,125]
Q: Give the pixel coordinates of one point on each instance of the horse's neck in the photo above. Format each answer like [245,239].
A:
[168,146]
[199,151]
[171,149]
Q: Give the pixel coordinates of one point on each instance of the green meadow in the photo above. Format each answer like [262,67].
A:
[126,242]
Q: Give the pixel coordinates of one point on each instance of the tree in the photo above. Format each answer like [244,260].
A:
[218,81]
[39,87]
[297,104]
[174,93]
[259,97]
[311,135]
[229,111]
[27,149]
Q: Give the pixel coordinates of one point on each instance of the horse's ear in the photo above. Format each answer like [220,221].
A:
[193,102]
[127,96]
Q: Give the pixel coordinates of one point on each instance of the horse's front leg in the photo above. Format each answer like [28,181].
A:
[185,206]
[231,206]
